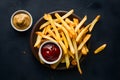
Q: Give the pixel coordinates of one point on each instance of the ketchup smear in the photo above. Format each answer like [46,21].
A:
[50,52]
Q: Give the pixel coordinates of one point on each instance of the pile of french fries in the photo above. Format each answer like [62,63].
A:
[71,34]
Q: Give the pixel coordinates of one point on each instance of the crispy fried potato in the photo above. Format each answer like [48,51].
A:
[71,34]
[87,37]
[76,56]
[81,23]
[67,60]
[99,49]
[94,22]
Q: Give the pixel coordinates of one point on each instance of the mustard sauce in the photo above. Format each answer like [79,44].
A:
[21,21]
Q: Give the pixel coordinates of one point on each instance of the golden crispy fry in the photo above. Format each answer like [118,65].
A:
[81,23]
[44,25]
[68,14]
[94,22]
[38,40]
[84,31]
[76,56]
[87,37]
[99,49]
[67,36]
[67,61]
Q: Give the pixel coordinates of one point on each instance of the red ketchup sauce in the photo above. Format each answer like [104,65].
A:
[50,52]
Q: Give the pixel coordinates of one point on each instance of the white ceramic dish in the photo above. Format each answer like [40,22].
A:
[43,59]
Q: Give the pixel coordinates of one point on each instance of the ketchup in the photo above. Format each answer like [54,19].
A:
[50,52]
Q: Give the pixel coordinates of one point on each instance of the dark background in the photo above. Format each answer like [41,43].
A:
[18,63]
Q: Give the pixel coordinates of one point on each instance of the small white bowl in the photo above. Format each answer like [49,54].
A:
[43,59]
[21,11]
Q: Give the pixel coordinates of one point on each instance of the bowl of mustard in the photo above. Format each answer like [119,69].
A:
[21,20]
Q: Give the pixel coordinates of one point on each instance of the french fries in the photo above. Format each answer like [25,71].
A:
[71,34]
[99,49]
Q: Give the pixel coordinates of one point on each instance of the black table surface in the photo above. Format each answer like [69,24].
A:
[18,63]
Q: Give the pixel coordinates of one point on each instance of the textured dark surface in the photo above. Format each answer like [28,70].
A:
[18,63]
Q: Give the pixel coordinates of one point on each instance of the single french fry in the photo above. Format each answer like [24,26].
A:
[67,61]
[81,23]
[94,22]
[38,40]
[68,14]
[87,37]
[44,25]
[85,30]
[76,56]
[99,49]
